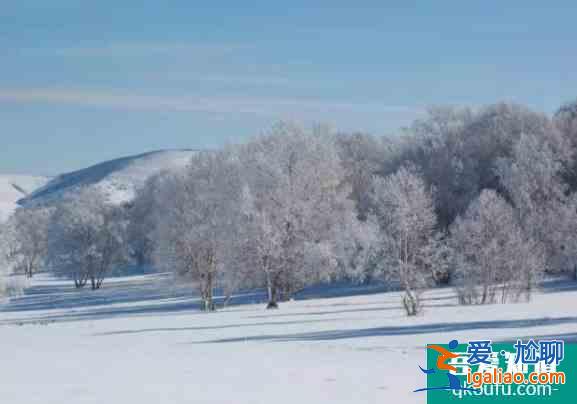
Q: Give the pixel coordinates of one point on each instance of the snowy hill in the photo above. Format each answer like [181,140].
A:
[118,178]
[15,187]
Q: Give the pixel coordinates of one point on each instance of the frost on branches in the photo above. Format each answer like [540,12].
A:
[407,219]
[198,219]
[85,238]
[6,267]
[494,259]
[29,239]
[298,204]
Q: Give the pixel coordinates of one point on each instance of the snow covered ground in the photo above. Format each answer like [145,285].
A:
[140,340]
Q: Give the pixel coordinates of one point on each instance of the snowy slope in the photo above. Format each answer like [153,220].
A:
[118,178]
[15,187]
[141,341]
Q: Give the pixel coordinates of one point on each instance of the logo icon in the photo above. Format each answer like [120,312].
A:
[442,365]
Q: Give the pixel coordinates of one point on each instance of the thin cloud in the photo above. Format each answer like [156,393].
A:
[130,49]
[232,79]
[266,106]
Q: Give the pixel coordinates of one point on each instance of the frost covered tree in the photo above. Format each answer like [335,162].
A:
[357,248]
[435,144]
[143,214]
[362,156]
[494,258]
[6,263]
[197,220]
[298,196]
[262,249]
[29,239]
[547,213]
[456,151]
[565,120]
[410,253]
[86,238]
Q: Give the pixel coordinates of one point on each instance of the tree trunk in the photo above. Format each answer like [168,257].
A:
[485,294]
[287,291]
[411,302]
[272,292]
[272,297]
[207,293]
[79,281]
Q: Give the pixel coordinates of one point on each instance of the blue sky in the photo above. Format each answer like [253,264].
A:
[82,82]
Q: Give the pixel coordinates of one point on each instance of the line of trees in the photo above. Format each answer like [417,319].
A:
[484,200]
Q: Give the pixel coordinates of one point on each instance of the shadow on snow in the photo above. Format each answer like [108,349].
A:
[401,330]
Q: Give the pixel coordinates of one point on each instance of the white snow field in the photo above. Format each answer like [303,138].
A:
[139,340]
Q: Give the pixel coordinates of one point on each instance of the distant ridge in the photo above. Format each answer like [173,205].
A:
[118,179]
